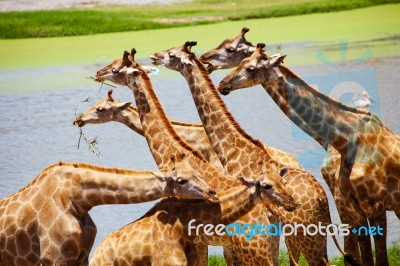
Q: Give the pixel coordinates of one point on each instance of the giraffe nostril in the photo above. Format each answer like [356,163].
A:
[212,192]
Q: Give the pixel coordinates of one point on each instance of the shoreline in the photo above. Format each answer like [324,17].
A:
[36,5]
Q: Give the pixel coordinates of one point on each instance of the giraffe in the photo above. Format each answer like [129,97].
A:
[47,222]
[148,247]
[228,55]
[163,142]
[237,150]
[112,109]
[363,141]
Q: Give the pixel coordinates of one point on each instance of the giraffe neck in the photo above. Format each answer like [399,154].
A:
[296,119]
[324,118]
[231,143]
[236,202]
[130,118]
[99,185]
[162,139]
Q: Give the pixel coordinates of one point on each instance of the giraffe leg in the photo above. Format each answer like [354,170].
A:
[228,255]
[293,249]
[197,254]
[348,215]
[366,250]
[260,250]
[89,237]
[313,248]
[379,219]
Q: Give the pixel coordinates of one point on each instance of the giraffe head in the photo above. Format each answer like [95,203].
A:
[184,181]
[229,53]
[175,58]
[271,193]
[101,112]
[259,68]
[116,71]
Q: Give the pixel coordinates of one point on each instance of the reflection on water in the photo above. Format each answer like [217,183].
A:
[36,130]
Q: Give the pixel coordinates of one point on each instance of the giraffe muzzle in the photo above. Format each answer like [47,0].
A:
[290,205]
[212,196]
[78,122]
[226,90]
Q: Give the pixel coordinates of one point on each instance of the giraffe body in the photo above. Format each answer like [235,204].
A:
[229,54]
[164,143]
[239,153]
[47,221]
[369,174]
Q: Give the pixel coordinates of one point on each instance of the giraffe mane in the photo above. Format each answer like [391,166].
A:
[324,97]
[111,170]
[236,125]
[166,121]
[228,40]
[178,123]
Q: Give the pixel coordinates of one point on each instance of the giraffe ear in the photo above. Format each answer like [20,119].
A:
[130,71]
[246,48]
[251,49]
[160,175]
[123,106]
[276,60]
[109,95]
[186,59]
[246,181]
[151,70]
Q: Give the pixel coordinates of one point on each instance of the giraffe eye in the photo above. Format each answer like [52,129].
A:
[230,49]
[100,109]
[114,70]
[251,69]
[266,186]
[181,181]
[171,55]
[283,171]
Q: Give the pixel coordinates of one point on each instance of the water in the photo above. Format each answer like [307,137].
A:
[36,127]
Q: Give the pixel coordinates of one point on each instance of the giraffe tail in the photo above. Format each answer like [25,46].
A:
[347,257]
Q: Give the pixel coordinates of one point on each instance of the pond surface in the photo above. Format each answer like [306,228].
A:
[36,127]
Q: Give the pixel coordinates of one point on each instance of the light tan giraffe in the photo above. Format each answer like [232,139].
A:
[112,109]
[47,222]
[237,151]
[229,54]
[140,244]
[164,142]
[363,141]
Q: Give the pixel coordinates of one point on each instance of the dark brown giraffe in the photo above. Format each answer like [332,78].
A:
[362,140]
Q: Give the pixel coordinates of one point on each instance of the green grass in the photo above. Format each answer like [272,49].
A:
[73,22]
[356,26]
[393,254]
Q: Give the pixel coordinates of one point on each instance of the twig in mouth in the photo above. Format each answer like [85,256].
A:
[101,82]
[92,143]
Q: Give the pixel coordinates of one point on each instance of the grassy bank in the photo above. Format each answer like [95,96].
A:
[393,253]
[118,19]
[355,27]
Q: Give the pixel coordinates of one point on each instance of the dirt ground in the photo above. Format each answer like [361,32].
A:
[29,5]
